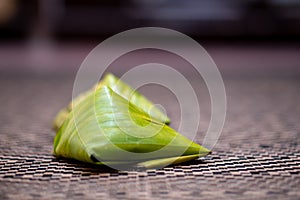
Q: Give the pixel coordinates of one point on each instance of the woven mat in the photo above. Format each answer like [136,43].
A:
[257,156]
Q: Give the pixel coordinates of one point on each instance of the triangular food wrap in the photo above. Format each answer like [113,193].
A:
[105,128]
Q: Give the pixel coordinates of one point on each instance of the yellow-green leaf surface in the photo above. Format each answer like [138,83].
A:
[123,90]
[104,128]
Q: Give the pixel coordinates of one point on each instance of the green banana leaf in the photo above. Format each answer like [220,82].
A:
[123,90]
[106,128]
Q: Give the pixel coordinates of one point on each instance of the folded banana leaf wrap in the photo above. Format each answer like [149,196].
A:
[114,125]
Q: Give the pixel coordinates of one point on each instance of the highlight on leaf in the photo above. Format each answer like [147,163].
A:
[123,90]
[104,127]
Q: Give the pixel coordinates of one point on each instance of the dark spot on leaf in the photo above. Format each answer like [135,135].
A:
[94,159]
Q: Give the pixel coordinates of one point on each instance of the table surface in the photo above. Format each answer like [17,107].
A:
[257,155]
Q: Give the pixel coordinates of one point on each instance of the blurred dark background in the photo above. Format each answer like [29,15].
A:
[73,19]
[51,35]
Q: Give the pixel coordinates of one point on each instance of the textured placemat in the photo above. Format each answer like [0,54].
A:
[257,156]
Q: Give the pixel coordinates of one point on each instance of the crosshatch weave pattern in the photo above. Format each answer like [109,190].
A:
[257,156]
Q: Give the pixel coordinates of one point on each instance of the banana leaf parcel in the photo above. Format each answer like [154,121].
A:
[116,126]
